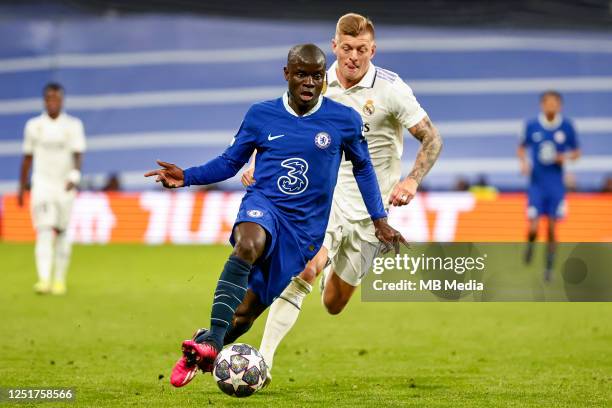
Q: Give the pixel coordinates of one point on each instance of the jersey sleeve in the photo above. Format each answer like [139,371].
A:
[356,150]
[77,142]
[404,104]
[572,138]
[525,136]
[28,138]
[231,160]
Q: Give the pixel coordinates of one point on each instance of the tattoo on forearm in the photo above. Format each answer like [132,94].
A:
[431,145]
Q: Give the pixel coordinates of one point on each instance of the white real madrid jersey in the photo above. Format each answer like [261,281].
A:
[52,143]
[387,106]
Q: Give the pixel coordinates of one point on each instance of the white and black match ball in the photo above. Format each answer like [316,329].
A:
[239,370]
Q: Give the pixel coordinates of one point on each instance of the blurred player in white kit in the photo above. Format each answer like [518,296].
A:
[54,143]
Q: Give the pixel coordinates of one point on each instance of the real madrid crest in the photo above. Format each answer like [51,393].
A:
[368,108]
[322,140]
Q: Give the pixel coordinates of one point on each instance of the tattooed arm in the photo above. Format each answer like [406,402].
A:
[431,144]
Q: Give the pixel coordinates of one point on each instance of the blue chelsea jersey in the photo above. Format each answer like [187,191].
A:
[298,157]
[546,140]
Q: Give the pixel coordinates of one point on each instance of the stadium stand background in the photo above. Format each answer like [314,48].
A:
[586,14]
[172,80]
[156,80]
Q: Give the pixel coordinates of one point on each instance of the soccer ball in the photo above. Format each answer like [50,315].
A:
[239,370]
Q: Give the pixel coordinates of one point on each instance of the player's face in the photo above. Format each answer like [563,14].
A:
[53,102]
[305,82]
[550,105]
[353,55]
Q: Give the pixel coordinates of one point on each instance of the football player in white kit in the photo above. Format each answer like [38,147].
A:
[54,143]
[387,107]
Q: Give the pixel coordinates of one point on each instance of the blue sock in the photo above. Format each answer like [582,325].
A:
[231,288]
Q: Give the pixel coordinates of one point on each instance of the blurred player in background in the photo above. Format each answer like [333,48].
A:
[387,107]
[301,139]
[54,143]
[552,141]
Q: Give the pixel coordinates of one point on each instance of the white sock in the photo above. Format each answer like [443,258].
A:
[282,316]
[63,248]
[44,253]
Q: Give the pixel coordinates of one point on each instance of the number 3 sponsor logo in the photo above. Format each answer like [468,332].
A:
[295,182]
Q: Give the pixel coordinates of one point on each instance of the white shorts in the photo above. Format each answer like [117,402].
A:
[352,247]
[52,210]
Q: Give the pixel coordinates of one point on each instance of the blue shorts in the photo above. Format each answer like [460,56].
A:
[283,257]
[545,201]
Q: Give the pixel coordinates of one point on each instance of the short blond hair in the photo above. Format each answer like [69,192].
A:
[354,25]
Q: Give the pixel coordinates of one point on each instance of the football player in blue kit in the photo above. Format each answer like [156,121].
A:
[300,139]
[552,141]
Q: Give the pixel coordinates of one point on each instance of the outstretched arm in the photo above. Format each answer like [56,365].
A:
[218,169]
[431,145]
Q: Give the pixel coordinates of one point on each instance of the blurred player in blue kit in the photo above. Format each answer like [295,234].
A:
[300,139]
[552,142]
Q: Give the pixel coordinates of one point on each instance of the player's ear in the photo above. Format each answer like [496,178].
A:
[286,72]
[334,45]
[373,49]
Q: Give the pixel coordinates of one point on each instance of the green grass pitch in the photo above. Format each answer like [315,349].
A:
[118,331]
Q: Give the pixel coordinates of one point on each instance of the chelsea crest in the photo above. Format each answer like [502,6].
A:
[322,140]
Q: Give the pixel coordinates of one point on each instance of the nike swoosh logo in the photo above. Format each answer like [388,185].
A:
[270,137]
